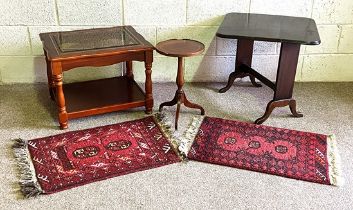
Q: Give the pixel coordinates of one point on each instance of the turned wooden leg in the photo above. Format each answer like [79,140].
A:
[148,82]
[129,71]
[177,115]
[180,97]
[231,79]
[244,56]
[287,67]
[60,100]
[180,92]
[293,108]
[51,84]
[169,103]
[279,103]
[270,106]
[187,103]
[253,82]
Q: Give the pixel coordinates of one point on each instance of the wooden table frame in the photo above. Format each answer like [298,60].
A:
[291,32]
[283,87]
[180,48]
[56,65]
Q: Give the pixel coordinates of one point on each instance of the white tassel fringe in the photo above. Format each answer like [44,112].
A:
[181,144]
[166,126]
[334,161]
[189,135]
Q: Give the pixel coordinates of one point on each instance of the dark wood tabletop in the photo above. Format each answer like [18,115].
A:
[180,47]
[65,45]
[271,28]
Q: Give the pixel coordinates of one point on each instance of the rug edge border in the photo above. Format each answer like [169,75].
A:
[188,137]
[29,185]
[165,126]
[334,162]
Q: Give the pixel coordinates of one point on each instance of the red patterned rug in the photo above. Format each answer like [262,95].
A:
[60,162]
[295,154]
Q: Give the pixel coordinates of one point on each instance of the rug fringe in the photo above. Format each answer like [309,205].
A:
[334,161]
[189,135]
[166,126]
[28,181]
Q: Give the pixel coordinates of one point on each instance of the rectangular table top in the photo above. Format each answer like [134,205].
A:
[64,44]
[271,28]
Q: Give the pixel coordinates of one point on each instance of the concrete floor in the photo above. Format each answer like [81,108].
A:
[27,112]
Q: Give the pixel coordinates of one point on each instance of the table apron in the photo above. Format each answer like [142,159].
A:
[102,60]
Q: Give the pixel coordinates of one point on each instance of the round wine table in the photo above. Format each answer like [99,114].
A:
[180,48]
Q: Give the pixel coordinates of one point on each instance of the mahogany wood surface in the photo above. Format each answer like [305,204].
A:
[243,57]
[68,50]
[180,48]
[270,28]
[290,31]
[83,97]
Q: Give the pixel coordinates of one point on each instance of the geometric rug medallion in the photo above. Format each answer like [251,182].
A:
[67,160]
[294,154]
[55,163]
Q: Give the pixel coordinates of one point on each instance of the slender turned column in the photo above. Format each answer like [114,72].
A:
[180,76]
[60,98]
[180,92]
[148,82]
[180,49]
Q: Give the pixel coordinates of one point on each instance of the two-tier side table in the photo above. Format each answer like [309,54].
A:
[291,32]
[97,47]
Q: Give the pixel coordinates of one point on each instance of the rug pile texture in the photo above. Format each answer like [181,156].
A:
[55,163]
[289,153]
[51,164]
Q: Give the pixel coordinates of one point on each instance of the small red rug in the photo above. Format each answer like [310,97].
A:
[60,162]
[295,154]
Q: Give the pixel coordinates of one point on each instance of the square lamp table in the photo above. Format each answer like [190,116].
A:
[291,32]
[97,47]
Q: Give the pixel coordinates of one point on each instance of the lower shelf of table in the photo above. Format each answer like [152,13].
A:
[102,96]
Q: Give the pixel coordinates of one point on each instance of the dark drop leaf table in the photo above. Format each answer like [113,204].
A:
[291,32]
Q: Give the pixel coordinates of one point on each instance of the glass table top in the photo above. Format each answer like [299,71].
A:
[93,39]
